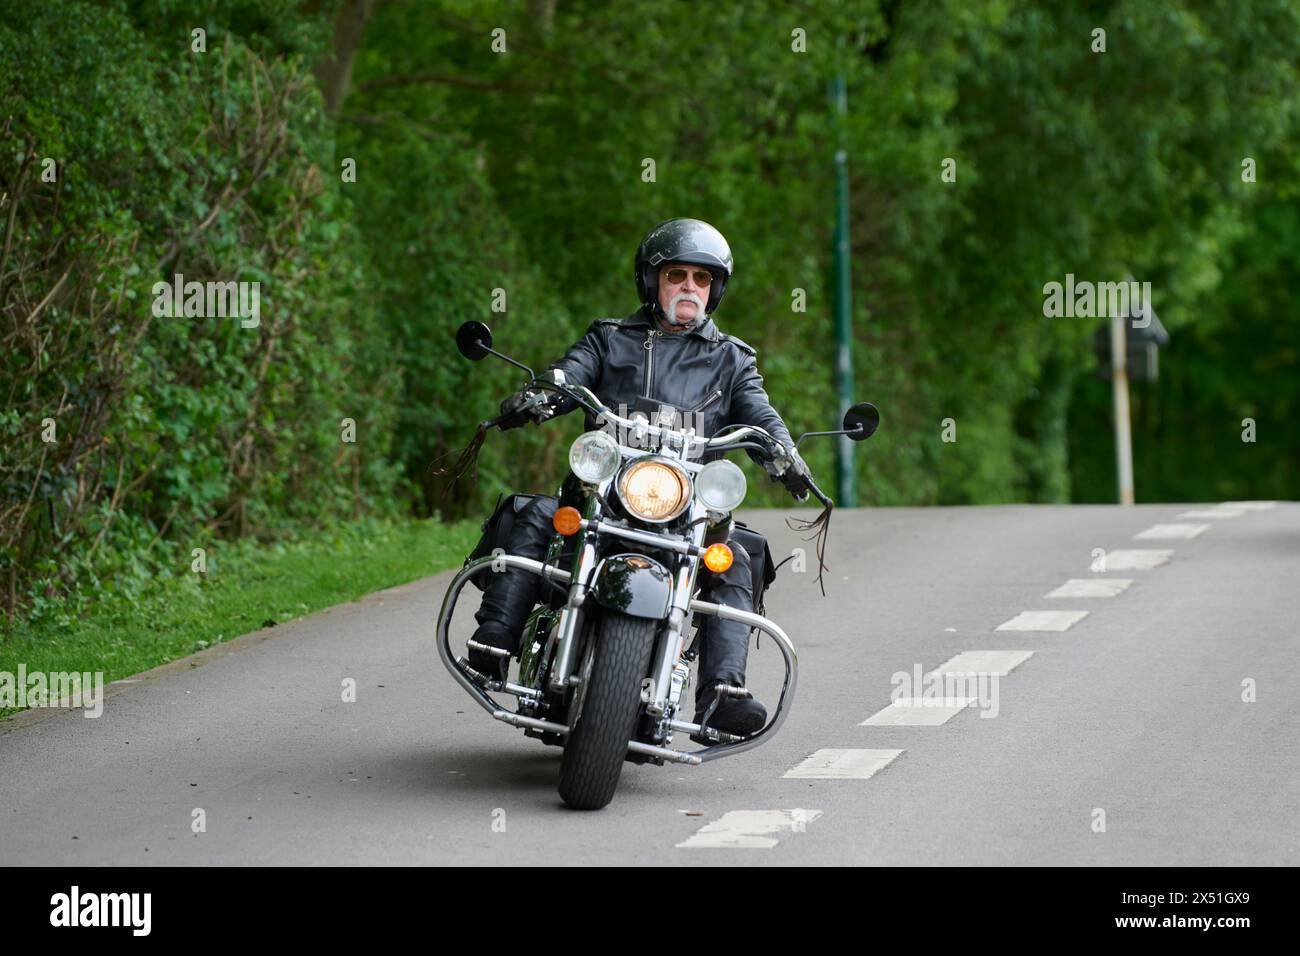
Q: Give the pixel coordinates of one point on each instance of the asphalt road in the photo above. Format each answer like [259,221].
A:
[1124,739]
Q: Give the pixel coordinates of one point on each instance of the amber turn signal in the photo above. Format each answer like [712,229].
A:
[567,520]
[717,557]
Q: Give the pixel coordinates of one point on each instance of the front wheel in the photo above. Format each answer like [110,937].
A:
[597,743]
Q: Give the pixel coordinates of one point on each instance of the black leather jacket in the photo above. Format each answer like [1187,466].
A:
[631,359]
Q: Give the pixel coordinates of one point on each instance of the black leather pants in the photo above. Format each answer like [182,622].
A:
[724,645]
[512,592]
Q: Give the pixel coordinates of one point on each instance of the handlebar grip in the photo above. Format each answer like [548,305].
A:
[524,413]
[509,420]
[819,494]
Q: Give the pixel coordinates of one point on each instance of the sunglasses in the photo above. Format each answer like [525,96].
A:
[677,276]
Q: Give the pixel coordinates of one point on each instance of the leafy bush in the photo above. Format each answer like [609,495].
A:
[167,431]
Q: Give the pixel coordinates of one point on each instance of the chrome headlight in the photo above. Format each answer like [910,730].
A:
[720,486]
[654,490]
[594,456]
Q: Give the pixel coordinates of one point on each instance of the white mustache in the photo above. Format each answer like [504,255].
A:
[684,297]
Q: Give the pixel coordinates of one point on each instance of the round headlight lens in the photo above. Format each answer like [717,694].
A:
[721,486]
[654,490]
[594,456]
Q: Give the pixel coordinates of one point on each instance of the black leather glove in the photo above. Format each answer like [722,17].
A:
[791,470]
[524,406]
[513,414]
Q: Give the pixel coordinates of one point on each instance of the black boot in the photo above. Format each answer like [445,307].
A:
[490,665]
[739,716]
[724,648]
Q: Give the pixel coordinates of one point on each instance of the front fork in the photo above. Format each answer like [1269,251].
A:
[663,695]
[662,690]
[566,629]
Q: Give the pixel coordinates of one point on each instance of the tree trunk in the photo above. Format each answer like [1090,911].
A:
[542,15]
[335,72]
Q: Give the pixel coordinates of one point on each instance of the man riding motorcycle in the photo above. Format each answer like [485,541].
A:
[670,351]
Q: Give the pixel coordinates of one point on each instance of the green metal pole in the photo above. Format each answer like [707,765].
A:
[846,491]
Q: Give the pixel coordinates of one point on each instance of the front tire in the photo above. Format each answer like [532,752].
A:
[597,745]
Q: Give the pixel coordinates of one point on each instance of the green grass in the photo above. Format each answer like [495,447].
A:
[246,586]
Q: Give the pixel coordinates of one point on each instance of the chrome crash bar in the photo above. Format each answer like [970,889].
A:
[461,671]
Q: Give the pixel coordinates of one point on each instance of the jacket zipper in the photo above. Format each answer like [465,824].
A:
[649,360]
[717,394]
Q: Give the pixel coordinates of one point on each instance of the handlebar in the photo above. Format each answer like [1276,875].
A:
[740,437]
[585,398]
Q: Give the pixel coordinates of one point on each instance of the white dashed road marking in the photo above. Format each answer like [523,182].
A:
[1169,532]
[917,712]
[1219,512]
[1136,560]
[750,829]
[758,829]
[1043,621]
[1000,663]
[1091,588]
[832,764]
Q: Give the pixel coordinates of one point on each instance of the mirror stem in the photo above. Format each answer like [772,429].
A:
[842,431]
[492,351]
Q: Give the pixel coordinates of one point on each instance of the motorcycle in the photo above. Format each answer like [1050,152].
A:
[603,661]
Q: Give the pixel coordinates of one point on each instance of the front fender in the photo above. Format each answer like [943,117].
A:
[633,584]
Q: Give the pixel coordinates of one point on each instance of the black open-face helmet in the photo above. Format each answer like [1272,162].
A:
[682,240]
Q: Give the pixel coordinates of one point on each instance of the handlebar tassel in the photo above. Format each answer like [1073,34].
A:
[467,461]
[820,526]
